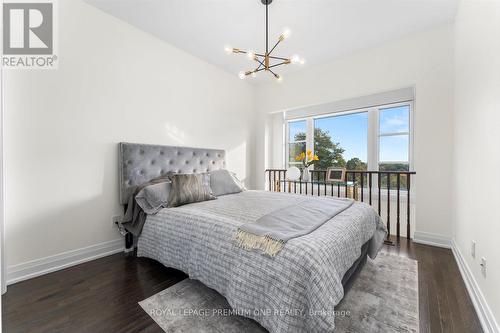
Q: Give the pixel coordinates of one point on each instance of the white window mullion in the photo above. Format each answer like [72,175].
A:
[286,145]
[373,129]
[310,136]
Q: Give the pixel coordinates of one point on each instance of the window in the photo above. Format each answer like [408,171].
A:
[375,138]
[297,131]
[394,138]
[341,141]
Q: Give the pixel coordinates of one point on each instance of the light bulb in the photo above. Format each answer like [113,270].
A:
[295,59]
[286,33]
[254,74]
[228,49]
[302,61]
[242,75]
[251,54]
[280,78]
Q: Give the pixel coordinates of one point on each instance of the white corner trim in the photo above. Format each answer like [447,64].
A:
[428,238]
[34,268]
[483,311]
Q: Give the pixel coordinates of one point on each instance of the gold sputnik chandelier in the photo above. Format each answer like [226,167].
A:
[267,61]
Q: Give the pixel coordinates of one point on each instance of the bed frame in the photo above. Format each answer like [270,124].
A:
[140,163]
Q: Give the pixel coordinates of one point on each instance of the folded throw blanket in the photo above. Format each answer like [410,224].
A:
[135,217]
[270,233]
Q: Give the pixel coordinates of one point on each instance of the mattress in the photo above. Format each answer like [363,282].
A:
[295,291]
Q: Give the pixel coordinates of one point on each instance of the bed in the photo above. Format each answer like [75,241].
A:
[295,291]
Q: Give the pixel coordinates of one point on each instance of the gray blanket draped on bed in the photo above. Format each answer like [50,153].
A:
[270,233]
[135,217]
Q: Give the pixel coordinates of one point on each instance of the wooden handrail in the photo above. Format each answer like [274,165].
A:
[318,185]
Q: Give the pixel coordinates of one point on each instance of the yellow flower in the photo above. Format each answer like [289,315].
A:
[300,157]
[315,158]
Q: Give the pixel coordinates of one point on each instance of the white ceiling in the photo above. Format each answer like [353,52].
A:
[321,29]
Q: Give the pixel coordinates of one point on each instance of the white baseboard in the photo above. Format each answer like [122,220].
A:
[34,268]
[428,238]
[484,313]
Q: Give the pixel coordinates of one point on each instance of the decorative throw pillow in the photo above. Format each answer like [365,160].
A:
[189,188]
[154,197]
[224,182]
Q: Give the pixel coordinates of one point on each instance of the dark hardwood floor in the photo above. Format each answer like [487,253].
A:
[102,295]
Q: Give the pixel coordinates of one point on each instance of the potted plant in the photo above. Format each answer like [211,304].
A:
[307,160]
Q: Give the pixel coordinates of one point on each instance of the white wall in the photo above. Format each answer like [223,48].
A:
[423,61]
[114,83]
[477,142]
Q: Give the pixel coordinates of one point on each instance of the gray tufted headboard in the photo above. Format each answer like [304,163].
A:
[140,163]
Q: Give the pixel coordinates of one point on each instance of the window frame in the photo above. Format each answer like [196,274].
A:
[410,134]
[287,142]
[373,135]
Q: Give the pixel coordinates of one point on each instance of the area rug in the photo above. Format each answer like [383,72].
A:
[384,298]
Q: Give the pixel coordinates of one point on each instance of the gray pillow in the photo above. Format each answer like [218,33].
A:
[189,188]
[224,182]
[154,197]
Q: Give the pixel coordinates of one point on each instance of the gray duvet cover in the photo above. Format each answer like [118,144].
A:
[295,291]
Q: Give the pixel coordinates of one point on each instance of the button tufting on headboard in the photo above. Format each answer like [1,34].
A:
[139,163]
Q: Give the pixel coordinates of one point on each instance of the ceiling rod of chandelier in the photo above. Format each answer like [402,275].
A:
[264,60]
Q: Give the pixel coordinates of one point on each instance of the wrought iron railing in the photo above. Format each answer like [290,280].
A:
[365,186]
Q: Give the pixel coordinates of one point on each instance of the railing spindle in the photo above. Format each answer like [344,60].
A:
[274,180]
[408,206]
[370,185]
[388,205]
[379,197]
[279,181]
[397,209]
[362,186]
[270,182]
[346,180]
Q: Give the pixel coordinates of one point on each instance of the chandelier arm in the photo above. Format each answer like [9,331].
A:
[279,41]
[271,57]
[258,69]
[260,62]
[281,63]
[275,75]
[254,71]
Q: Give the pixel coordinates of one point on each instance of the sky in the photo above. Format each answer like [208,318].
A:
[351,131]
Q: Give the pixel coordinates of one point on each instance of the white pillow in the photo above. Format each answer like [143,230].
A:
[224,182]
[154,197]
